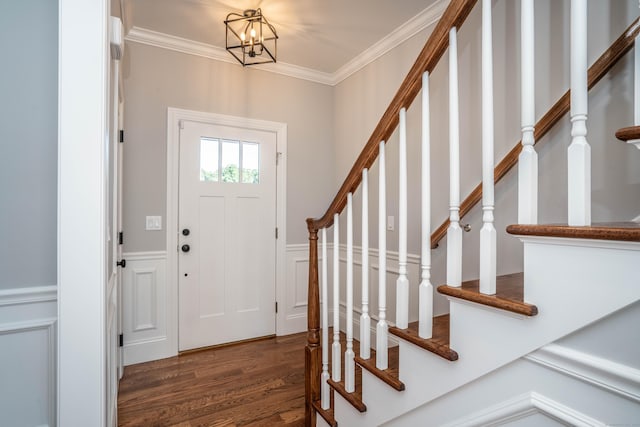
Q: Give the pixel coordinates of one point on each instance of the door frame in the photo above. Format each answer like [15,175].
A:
[174,117]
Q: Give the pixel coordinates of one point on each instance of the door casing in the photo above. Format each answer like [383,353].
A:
[174,118]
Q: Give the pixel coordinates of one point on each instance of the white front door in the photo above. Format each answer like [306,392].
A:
[227,241]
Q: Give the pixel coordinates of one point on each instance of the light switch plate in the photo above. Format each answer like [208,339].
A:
[153,223]
[391,223]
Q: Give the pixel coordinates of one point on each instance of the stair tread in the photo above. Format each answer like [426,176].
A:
[355,398]
[326,414]
[509,294]
[391,375]
[628,133]
[620,231]
[439,341]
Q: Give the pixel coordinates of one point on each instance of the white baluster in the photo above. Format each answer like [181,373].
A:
[402,283]
[349,364]
[425,311]
[365,319]
[324,386]
[382,328]
[336,354]
[488,232]
[454,232]
[579,153]
[528,158]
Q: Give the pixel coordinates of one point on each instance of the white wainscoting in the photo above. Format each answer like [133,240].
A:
[147,327]
[28,319]
[293,305]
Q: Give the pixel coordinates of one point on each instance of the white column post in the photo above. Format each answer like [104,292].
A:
[382,328]
[365,320]
[402,283]
[324,386]
[454,232]
[349,364]
[579,153]
[336,356]
[425,311]
[488,232]
[528,159]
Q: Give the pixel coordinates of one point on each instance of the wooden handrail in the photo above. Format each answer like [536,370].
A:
[454,16]
[605,62]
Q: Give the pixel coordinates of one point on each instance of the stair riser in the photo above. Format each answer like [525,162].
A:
[557,275]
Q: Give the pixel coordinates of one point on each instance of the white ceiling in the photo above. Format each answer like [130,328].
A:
[321,35]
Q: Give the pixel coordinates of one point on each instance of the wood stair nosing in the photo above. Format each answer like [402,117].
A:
[437,344]
[619,231]
[509,294]
[355,398]
[389,375]
[326,414]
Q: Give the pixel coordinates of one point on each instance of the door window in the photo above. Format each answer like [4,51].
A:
[229,161]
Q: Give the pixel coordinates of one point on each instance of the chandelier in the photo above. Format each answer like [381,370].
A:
[251,39]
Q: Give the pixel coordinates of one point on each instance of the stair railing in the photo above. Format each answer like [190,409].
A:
[443,36]
[454,16]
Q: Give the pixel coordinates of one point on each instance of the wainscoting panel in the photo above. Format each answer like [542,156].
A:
[145,308]
[28,356]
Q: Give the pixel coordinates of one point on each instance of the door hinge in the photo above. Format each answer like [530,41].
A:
[276,306]
[121,340]
[181,124]
[122,263]
[278,154]
[121,137]
[276,232]
[120,238]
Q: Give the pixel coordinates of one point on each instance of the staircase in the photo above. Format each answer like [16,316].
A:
[486,361]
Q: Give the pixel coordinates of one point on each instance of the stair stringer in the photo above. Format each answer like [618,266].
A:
[573,282]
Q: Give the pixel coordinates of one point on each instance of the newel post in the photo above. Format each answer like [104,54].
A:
[312,352]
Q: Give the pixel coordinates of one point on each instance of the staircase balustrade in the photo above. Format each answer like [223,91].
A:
[443,36]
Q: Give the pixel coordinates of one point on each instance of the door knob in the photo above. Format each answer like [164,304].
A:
[186,232]
[185,248]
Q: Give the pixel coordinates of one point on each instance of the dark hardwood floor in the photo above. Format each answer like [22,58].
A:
[259,383]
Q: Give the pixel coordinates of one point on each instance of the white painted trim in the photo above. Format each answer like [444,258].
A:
[522,406]
[83,129]
[30,295]
[423,20]
[49,326]
[192,47]
[174,116]
[614,377]
[583,243]
[145,256]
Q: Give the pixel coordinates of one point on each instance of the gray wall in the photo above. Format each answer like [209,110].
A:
[156,79]
[28,143]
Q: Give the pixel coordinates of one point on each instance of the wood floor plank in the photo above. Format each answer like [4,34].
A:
[253,384]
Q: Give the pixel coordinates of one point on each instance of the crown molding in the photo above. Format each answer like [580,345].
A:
[192,47]
[424,19]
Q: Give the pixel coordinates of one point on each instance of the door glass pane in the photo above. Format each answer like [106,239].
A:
[250,162]
[209,160]
[230,161]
